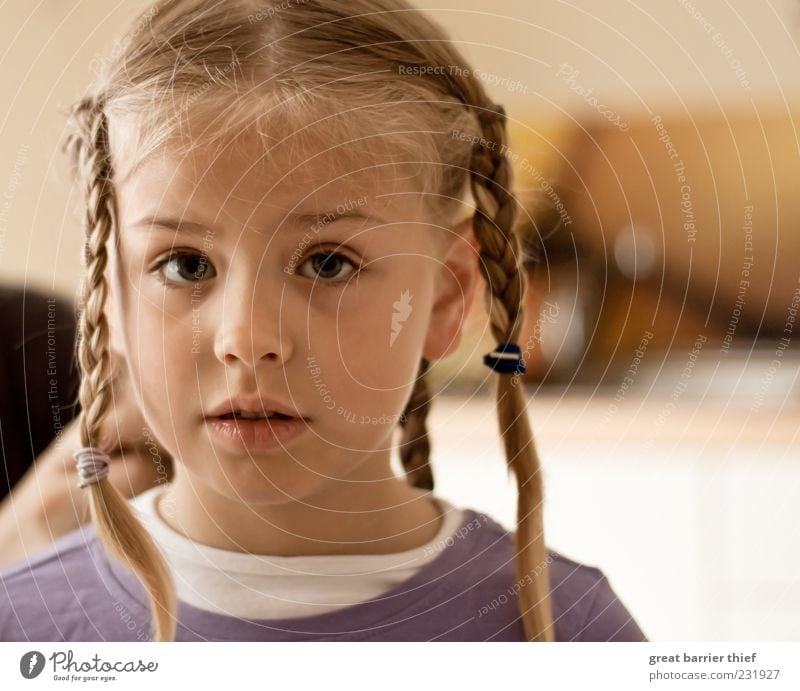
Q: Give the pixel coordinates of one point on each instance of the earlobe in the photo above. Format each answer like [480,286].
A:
[453,302]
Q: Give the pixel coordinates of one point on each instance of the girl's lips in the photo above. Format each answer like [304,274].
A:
[255,435]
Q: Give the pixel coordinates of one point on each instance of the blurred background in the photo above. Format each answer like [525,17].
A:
[657,157]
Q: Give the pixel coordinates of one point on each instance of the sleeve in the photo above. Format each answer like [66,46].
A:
[11,625]
[607,619]
[52,595]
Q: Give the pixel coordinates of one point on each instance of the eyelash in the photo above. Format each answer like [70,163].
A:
[179,254]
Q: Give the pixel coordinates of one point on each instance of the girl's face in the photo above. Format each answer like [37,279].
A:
[301,281]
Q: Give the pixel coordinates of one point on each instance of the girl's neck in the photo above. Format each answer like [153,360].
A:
[379,518]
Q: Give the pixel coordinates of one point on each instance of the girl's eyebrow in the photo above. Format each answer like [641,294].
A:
[337,214]
[179,225]
[194,228]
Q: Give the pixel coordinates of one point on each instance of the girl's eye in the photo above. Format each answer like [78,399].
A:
[185,268]
[328,266]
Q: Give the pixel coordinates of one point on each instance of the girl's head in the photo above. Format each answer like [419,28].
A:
[275,198]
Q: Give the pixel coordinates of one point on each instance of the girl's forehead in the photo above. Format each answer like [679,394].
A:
[247,169]
[273,149]
[241,182]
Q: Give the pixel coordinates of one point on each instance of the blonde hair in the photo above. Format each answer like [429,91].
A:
[382,76]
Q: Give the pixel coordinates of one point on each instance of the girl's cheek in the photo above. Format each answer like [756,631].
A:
[158,344]
[368,367]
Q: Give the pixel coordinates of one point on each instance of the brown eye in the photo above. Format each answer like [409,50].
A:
[185,268]
[328,266]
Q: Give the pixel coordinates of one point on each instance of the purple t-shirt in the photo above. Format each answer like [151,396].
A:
[73,591]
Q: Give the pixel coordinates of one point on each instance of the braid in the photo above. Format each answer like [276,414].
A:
[118,529]
[491,178]
[494,218]
[415,448]
[88,148]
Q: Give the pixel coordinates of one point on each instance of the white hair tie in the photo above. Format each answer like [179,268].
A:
[92,464]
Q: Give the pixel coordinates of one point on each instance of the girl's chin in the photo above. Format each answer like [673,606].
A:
[261,480]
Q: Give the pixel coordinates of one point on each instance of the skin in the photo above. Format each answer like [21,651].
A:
[253,321]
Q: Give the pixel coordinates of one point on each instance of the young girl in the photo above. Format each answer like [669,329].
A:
[233,155]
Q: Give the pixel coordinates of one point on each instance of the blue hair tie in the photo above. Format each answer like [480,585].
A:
[506,359]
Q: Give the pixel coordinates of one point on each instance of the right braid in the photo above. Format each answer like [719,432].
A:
[500,263]
[491,178]
[117,527]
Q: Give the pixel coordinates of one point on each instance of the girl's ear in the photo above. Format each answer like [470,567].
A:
[457,280]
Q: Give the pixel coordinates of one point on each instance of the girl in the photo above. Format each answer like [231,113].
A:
[233,155]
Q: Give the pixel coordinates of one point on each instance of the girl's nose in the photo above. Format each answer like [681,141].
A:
[252,326]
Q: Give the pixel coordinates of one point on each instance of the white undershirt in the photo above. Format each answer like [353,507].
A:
[257,586]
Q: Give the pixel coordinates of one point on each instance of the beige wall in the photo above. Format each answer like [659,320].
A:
[46,57]
[652,56]
[659,54]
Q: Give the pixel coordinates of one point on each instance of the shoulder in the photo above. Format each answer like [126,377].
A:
[584,604]
[51,595]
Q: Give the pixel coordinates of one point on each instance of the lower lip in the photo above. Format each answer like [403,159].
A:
[255,435]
